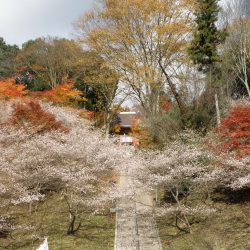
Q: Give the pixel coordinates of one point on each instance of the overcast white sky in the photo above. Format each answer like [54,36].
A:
[21,20]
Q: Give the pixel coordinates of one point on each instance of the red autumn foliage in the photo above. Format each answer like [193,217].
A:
[32,116]
[165,104]
[235,130]
[10,90]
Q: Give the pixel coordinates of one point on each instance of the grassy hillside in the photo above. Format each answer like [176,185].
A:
[227,229]
[49,218]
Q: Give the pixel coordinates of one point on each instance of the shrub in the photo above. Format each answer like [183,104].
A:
[235,130]
[141,133]
[165,104]
[61,94]
[87,114]
[10,90]
[32,115]
[164,126]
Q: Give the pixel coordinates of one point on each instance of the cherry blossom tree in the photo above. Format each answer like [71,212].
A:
[184,169]
[78,164]
[176,170]
[228,173]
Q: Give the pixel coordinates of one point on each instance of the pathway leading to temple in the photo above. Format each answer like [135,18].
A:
[135,225]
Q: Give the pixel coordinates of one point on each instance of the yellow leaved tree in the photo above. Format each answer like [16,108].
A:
[145,41]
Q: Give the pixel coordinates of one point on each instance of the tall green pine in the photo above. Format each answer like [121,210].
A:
[206,38]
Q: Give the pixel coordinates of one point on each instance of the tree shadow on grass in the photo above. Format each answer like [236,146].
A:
[231,196]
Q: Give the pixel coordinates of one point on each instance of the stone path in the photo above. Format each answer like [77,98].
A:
[135,225]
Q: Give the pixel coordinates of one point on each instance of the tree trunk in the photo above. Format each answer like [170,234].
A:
[247,85]
[185,219]
[72,218]
[71,227]
[107,121]
[107,130]
[217,110]
[176,95]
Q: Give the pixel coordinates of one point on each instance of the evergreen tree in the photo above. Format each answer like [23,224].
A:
[7,59]
[206,38]
[203,52]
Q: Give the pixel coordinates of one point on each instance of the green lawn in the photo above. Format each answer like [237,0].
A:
[227,229]
[49,218]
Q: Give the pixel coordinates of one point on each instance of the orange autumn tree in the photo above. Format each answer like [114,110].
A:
[61,94]
[10,90]
[235,130]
